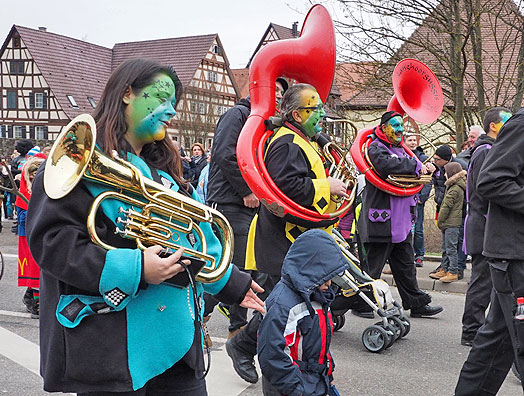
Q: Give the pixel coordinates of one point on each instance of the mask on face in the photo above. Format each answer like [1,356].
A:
[393,130]
[151,109]
[311,113]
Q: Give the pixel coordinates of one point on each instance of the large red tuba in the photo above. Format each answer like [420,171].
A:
[307,59]
[418,94]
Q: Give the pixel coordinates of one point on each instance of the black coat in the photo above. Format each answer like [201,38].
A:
[501,182]
[226,184]
[477,205]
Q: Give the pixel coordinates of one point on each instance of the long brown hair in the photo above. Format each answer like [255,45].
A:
[111,122]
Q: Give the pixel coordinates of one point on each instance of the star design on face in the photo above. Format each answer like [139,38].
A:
[145,95]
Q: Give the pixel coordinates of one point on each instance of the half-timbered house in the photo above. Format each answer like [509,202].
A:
[47,79]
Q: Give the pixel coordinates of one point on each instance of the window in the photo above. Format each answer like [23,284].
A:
[212,76]
[193,107]
[17,43]
[12,100]
[91,101]
[201,108]
[72,100]
[39,132]
[215,49]
[16,67]
[18,132]
[3,131]
[39,100]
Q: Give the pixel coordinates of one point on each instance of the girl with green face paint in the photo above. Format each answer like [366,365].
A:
[311,113]
[149,112]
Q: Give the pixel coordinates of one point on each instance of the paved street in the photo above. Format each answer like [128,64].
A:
[426,362]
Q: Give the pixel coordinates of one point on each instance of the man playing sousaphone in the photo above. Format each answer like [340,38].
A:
[386,220]
[296,167]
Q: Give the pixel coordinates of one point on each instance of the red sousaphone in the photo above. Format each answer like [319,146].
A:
[418,94]
[307,59]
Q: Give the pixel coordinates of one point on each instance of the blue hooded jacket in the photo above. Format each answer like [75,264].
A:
[295,334]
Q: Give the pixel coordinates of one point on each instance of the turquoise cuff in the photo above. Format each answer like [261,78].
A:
[120,277]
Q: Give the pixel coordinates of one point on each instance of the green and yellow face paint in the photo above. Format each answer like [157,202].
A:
[151,109]
[311,112]
[394,129]
[504,116]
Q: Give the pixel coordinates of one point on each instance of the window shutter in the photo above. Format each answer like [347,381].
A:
[10,131]
[2,131]
[32,132]
[45,101]
[31,100]
[24,132]
[46,131]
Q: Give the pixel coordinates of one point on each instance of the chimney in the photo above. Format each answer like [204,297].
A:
[295,29]
[42,28]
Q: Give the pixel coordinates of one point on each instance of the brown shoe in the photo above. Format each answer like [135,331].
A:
[233,333]
[439,274]
[207,338]
[449,278]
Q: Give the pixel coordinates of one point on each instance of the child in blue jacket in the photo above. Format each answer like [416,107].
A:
[295,334]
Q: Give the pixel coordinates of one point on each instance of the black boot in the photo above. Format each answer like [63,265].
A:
[243,362]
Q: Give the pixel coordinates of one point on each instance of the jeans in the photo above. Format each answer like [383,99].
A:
[449,262]
[499,340]
[418,238]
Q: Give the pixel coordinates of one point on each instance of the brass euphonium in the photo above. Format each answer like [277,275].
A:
[157,215]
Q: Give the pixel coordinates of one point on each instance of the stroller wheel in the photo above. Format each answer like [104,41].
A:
[407,326]
[338,322]
[397,326]
[375,339]
[391,333]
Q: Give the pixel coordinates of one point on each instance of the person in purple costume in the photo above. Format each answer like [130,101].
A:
[385,222]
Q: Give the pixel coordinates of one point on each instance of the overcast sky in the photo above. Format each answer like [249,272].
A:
[239,23]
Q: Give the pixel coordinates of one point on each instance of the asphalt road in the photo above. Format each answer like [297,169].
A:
[425,362]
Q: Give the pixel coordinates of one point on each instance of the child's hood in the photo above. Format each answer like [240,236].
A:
[458,179]
[313,259]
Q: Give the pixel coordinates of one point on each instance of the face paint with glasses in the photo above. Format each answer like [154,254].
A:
[311,113]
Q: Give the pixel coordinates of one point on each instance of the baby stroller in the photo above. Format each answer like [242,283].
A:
[357,290]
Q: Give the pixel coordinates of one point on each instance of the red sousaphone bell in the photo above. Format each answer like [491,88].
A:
[307,59]
[418,94]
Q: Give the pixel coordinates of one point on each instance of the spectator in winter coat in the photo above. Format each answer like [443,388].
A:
[295,334]
[442,156]
[450,221]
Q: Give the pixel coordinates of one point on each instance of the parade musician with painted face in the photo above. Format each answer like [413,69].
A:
[296,167]
[386,220]
[146,341]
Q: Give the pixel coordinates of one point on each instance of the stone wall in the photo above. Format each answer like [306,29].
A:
[8,145]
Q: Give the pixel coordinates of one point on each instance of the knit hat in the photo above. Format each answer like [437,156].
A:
[388,115]
[23,146]
[444,152]
[452,168]
[33,151]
